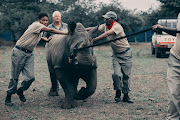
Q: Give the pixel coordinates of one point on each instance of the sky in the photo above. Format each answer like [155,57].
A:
[140,5]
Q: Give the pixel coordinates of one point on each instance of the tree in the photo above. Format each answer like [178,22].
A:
[17,15]
[170,8]
[130,22]
[20,14]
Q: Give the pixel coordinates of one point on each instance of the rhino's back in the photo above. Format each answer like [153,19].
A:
[55,41]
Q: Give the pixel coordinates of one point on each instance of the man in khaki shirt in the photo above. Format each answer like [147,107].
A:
[23,58]
[121,55]
[173,72]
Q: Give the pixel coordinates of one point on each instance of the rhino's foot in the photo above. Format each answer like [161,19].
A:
[69,104]
[81,94]
[53,93]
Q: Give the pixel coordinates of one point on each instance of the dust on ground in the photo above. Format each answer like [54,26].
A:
[148,90]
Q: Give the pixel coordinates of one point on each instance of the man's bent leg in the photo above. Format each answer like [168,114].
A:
[18,59]
[28,76]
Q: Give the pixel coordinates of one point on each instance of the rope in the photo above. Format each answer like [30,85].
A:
[98,44]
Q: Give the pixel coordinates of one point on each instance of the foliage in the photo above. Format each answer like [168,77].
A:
[172,6]
[149,90]
[17,15]
[131,22]
[168,9]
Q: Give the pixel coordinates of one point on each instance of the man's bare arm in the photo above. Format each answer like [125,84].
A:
[46,29]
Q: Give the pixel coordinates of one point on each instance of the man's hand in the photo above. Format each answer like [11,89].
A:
[50,38]
[92,41]
[154,27]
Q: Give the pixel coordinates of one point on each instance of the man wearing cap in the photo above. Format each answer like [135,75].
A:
[121,55]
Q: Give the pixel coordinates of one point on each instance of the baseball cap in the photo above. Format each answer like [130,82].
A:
[110,14]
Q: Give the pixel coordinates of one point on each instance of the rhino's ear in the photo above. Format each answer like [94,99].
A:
[71,26]
[93,31]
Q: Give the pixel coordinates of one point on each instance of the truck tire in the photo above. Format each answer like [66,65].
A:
[157,52]
[152,49]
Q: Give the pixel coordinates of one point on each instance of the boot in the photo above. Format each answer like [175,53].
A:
[127,99]
[118,96]
[8,100]
[21,95]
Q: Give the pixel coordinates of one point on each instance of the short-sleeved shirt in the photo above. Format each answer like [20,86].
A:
[175,50]
[117,46]
[31,36]
[52,25]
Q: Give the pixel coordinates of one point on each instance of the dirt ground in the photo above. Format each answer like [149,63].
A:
[148,90]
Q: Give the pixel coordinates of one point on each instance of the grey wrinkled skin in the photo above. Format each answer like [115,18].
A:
[58,52]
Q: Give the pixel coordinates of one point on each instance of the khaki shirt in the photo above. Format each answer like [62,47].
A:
[117,46]
[175,50]
[31,36]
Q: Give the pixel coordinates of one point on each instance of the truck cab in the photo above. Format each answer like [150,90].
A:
[161,41]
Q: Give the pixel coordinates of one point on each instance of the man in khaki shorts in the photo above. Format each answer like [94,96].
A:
[121,55]
[173,72]
[23,58]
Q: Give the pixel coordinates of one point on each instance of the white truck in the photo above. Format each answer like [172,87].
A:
[161,41]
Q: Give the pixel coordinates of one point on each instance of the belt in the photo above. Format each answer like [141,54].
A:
[124,51]
[23,49]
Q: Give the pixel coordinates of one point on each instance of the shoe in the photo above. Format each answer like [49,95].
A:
[21,95]
[118,96]
[127,99]
[8,100]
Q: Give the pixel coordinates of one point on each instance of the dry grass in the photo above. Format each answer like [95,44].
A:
[148,84]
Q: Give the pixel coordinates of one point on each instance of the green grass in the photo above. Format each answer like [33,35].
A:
[148,90]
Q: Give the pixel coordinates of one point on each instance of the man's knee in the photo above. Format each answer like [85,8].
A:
[26,84]
[31,80]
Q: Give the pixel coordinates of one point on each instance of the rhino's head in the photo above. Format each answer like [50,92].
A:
[81,38]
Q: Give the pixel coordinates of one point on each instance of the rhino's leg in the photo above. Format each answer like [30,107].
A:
[54,85]
[69,88]
[91,82]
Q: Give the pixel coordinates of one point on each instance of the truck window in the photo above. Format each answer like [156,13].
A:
[169,25]
[174,25]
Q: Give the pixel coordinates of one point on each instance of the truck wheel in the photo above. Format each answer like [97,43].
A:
[157,52]
[152,49]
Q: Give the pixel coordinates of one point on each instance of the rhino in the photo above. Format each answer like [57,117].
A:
[67,64]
